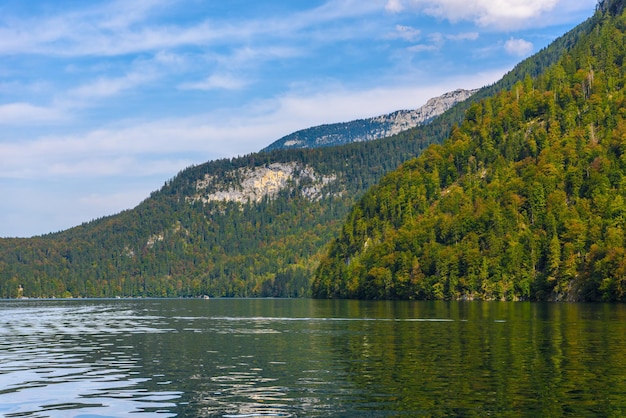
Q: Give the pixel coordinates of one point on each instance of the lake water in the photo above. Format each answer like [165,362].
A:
[276,357]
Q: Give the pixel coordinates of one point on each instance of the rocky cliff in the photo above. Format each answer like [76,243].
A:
[251,185]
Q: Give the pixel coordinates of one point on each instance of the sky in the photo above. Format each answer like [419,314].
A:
[101,102]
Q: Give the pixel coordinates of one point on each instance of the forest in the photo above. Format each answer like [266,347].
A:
[525,200]
[170,246]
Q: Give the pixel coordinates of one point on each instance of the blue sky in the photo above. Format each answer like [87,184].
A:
[101,102]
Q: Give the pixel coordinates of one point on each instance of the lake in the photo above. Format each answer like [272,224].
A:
[299,357]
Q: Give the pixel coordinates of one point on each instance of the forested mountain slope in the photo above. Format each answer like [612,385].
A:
[249,226]
[525,200]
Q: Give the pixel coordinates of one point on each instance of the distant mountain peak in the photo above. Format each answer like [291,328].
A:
[371,128]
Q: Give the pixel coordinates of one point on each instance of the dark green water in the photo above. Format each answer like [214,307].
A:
[251,357]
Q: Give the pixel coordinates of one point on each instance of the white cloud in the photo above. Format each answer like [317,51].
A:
[65,103]
[518,47]
[407,33]
[111,86]
[501,14]
[423,48]
[90,33]
[246,57]
[394,6]
[88,93]
[117,27]
[121,14]
[437,41]
[337,9]
[17,87]
[217,81]
[124,27]
[26,113]
[465,36]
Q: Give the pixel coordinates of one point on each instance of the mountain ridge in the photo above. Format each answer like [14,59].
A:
[370,129]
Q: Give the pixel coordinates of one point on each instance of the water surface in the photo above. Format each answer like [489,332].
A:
[277,357]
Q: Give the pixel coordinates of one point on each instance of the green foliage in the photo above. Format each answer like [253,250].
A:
[525,200]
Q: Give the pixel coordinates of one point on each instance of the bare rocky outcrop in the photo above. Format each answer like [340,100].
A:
[403,120]
[251,185]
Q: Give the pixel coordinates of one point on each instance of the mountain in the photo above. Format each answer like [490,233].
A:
[372,128]
[256,225]
[526,199]
[248,226]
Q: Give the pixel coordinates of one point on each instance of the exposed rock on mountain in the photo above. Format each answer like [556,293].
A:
[252,184]
[371,128]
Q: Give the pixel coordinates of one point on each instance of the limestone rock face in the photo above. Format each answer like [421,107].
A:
[372,128]
[251,185]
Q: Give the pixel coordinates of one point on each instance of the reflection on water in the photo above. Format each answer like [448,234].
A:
[243,358]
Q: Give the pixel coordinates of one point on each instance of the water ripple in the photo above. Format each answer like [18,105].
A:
[66,353]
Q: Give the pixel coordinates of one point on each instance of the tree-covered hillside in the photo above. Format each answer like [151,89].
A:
[526,199]
[177,244]
[180,242]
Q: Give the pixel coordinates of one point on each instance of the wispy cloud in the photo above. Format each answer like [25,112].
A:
[501,15]
[27,113]
[518,47]
[64,103]
[216,82]
[394,6]
[423,48]
[437,40]
[118,27]
[407,33]
[124,27]
[465,36]
[111,86]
